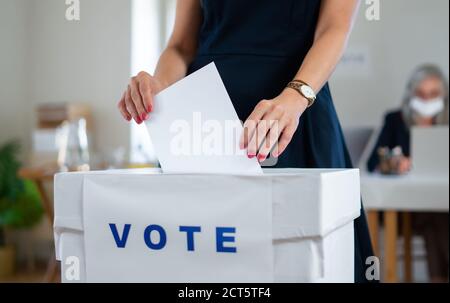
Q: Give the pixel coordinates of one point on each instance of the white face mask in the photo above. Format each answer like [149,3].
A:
[427,109]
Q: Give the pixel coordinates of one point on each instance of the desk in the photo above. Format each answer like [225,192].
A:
[393,194]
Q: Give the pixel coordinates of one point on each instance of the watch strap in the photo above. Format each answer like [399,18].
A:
[296,85]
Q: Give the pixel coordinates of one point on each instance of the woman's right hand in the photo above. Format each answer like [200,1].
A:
[137,100]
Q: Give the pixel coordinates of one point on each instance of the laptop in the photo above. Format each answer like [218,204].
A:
[430,150]
[357,139]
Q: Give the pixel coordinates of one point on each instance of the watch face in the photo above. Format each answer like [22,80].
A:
[307,92]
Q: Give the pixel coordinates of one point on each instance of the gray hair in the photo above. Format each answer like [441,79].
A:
[421,73]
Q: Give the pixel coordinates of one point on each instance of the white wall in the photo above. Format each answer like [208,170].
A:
[409,33]
[13,70]
[83,61]
[45,58]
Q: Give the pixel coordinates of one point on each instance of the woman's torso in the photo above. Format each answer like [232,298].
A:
[258,47]
[258,27]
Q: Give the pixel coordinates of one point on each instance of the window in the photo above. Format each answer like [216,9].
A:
[152,22]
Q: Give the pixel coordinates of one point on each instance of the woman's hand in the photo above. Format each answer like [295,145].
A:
[404,165]
[137,101]
[272,125]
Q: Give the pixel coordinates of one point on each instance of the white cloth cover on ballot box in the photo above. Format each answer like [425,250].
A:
[311,220]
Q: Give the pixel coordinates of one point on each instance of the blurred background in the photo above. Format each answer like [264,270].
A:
[60,81]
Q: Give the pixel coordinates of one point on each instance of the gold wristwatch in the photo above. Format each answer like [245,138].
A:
[305,90]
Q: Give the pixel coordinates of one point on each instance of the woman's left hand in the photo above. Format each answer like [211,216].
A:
[272,125]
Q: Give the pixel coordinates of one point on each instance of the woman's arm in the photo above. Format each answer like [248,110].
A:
[182,47]
[332,33]
[137,101]
[277,120]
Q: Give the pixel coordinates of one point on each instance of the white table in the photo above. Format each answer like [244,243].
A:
[393,194]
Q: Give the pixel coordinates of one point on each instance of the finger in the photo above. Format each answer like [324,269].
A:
[131,107]
[258,136]
[147,95]
[262,129]
[122,108]
[252,122]
[285,139]
[137,100]
[271,140]
[404,167]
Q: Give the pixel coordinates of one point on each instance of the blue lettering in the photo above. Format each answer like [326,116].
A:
[190,230]
[121,242]
[221,239]
[225,237]
[162,237]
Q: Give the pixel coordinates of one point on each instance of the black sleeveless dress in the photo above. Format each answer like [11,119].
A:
[258,47]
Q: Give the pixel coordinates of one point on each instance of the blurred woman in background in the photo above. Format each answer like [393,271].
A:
[425,105]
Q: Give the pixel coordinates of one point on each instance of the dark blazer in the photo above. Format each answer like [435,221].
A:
[395,133]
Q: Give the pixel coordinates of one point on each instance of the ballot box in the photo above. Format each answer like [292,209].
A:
[287,225]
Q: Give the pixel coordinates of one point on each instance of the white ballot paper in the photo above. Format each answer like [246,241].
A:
[195,129]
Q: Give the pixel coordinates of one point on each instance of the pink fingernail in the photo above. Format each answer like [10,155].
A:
[251,156]
[149,109]
[144,117]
